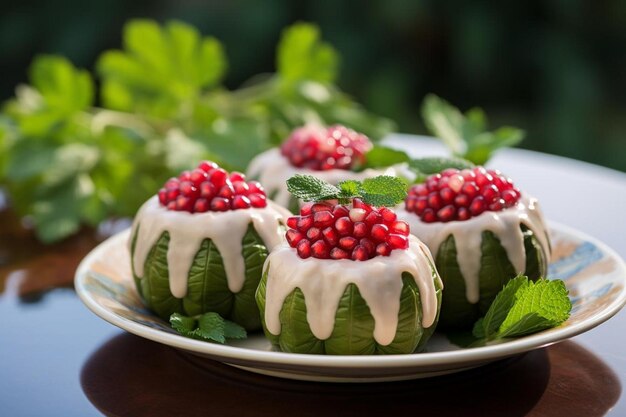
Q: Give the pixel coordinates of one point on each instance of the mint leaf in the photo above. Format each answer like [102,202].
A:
[381,157]
[302,56]
[383,190]
[378,191]
[310,188]
[209,326]
[466,135]
[538,305]
[423,167]
[502,304]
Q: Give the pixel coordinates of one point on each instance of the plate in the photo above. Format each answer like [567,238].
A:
[593,273]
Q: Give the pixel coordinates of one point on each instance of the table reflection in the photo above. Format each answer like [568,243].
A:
[129,375]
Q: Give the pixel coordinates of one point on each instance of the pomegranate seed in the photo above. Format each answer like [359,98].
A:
[236,176]
[163,196]
[184,176]
[187,189]
[226,191]
[317,207]
[323,218]
[383,249]
[348,242]
[379,232]
[319,250]
[313,234]
[442,196]
[337,253]
[258,200]
[447,213]
[357,214]
[172,194]
[293,237]
[462,200]
[398,241]
[207,190]
[292,222]
[305,210]
[447,195]
[197,177]
[368,244]
[184,203]
[360,253]
[330,235]
[372,218]
[171,205]
[388,215]
[256,187]
[220,204]
[434,200]
[359,230]
[358,203]
[240,202]
[463,213]
[218,177]
[317,148]
[201,205]
[400,227]
[304,223]
[240,187]
[172,183]
[207,166]
[343,226]
[340,211]
[304,249]
[477,206]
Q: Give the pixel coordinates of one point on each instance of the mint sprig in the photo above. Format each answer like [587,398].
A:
[210,327]
[379,191]
[466,135]
[524,307]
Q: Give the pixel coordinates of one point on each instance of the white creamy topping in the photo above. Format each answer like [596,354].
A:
[324,281]
[505,225]
[187,231]
[273,170]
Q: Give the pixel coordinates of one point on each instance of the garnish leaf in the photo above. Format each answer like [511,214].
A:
[383,190]
[423,167]
[382,157]
[310,188]
[209,326]
[466,135]
[538,305]
[379,191]
[524,307]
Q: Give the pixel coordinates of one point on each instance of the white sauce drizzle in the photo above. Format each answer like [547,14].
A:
[505,225]
[324,281]
[273,170]
[187,231]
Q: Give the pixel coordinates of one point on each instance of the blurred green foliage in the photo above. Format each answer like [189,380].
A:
[554,67]
[69,162]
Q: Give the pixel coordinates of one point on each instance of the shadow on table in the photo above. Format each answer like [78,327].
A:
[135,377]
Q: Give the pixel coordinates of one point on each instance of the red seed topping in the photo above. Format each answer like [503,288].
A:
[460,195]
[210,188]
[320,149]
[331,232]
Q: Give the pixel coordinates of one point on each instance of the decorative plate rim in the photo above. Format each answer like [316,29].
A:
[225,353]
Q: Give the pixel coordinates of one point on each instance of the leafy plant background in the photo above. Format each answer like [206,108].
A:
[550,67]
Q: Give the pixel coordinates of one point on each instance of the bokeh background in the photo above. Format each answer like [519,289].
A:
[555,68]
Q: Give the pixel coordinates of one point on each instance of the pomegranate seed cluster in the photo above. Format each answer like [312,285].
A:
[321,149]
[460,195]
[211,188]
[358,232]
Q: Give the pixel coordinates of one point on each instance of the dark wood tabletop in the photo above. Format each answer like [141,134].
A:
[58,359]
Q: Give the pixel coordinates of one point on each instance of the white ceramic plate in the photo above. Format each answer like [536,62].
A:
[594,274]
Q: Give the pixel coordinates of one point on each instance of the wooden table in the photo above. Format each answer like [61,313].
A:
[58,359]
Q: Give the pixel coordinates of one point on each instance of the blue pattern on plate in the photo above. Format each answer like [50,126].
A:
[584,255]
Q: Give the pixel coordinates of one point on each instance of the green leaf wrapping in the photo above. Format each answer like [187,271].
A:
[354,324]
[495,271]
[207,288]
